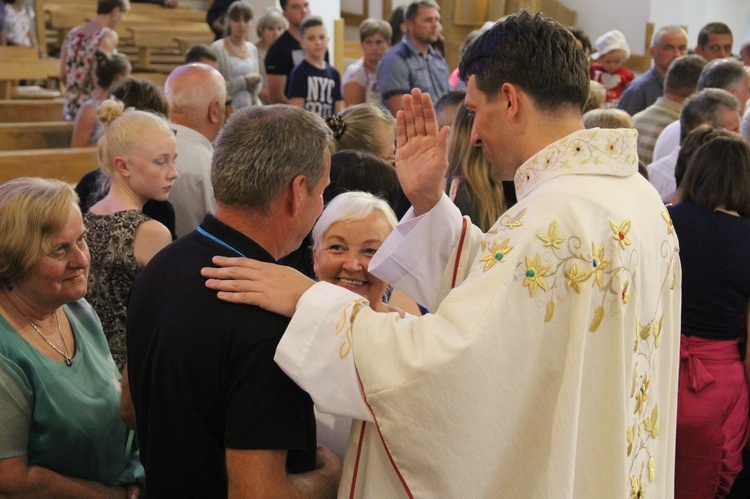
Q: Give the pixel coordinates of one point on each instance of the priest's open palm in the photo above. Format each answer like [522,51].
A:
[421,153]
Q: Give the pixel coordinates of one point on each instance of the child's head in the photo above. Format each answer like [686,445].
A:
[612,50]
[314,37]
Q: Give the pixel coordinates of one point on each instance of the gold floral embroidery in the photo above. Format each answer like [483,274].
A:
[636,488]
[550,311]
[511,222]
[496,253]
[575,278]
[597,320]
[621,233]
[625,296]
[344,325]
[551,238]
[534,276]
[668,219]
[599,264]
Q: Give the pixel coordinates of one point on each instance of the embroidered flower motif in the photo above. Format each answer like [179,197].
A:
[668,219]
[551,238]
[534,276]
[512,223]
[624,295]
[651,423]
[575,278]
[641,396]
[577,148]
[611,147]
[598,263]
[621,232]
[636,489]
[496,253]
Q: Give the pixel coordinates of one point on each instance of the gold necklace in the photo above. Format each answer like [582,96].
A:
[65,355]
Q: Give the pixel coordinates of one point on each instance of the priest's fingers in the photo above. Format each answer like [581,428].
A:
[417,98]
[226,261]
[401,138]
[429,116]
[409,117]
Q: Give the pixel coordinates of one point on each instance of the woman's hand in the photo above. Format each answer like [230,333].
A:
[276,288]
[252,80]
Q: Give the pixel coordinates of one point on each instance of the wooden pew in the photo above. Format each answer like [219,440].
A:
[22,110]
[40,135]
[23,63]
[68,165]
[150,38]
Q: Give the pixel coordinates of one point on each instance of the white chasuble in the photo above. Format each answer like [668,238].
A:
[550,367]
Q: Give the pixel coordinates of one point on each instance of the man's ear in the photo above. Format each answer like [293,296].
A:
[510,95]
[296,193]
[214,111]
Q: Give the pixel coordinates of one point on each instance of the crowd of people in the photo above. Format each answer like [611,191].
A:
[229,304]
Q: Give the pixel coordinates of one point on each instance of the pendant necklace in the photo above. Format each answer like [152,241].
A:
[65,355]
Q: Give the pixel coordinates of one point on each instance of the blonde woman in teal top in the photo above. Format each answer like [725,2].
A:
[60,428]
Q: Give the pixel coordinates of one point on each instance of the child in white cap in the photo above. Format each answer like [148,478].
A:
[612,51]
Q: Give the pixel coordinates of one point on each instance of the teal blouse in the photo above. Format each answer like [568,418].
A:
[66,419]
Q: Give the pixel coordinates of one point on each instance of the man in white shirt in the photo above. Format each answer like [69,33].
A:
[727,74]
[712,106]
[197,96]
[548,367]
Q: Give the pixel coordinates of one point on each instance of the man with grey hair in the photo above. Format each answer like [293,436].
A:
[216,416]
[413,62]
[197,95]
[711,106]
[668,43]
[727,74]
[679,84]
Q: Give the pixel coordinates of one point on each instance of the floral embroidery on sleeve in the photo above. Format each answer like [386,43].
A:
[668,219]
[496,253]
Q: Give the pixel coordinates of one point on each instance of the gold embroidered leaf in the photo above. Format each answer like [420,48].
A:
[645,332]
[597,320]
[632,386]
[575,278]
[657,331]
[651,469]
[625,295]
[511,222]
[484,245]
[668,219]
[551,238]
[630,437]
[636,489]
[550,311]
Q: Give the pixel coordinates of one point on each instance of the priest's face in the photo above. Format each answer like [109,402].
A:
[490,130]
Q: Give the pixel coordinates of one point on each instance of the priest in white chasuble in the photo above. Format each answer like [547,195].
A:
[548,366]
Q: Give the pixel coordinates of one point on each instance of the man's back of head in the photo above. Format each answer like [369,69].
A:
[712,106]
[714,41]
[261,149]
[727,74]
[197,94]
[557,78]
[682,77]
